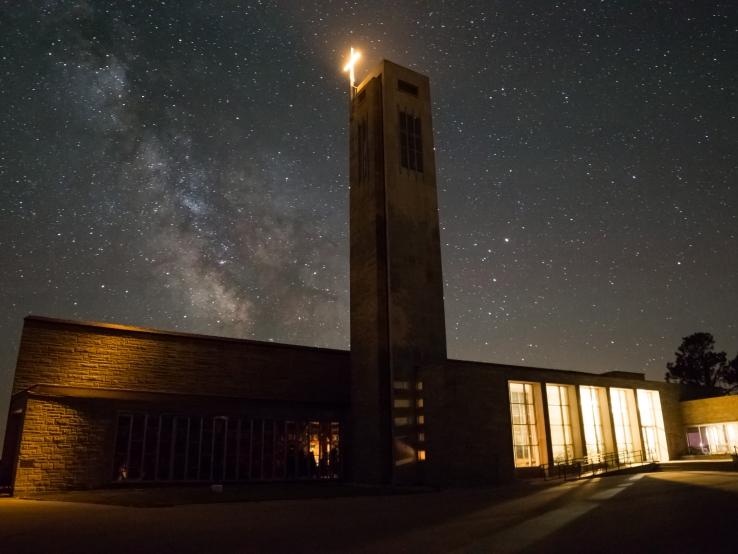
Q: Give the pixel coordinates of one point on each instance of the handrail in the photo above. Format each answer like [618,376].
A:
[593,464]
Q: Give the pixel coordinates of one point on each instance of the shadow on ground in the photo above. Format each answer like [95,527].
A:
[664,512]
[160,497]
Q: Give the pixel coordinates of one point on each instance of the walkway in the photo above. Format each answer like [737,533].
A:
[655,512]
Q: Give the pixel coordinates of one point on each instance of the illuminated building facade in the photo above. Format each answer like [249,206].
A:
[97,405]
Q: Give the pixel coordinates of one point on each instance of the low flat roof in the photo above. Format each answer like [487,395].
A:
[611,374]
[334,351]
[178,334]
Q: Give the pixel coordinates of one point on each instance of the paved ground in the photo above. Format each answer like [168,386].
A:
[657,512]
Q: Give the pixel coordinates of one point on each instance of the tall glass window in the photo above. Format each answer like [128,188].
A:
[164,447]
[715,438]
[363,150]
[559,418]
[524,428]
[731,431]
[652,425]
[411,143]
[594,433]
[624,422]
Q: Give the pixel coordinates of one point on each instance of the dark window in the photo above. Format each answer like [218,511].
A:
[257,449]
[232,450]
[363,147]
[166,444]
[150,441]
[404,86]
[193,448]
[280,449]
[135,457]
[181,438]
[220,429]
[206,450]
[292,447]
[244,453]
[301,443]
[122,446]
[268,450]
[411,142]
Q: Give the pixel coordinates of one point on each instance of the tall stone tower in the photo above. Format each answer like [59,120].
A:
[397,318]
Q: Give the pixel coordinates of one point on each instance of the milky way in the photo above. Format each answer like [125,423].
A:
[182,165]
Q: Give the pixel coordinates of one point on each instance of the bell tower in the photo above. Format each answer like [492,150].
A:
[398,326]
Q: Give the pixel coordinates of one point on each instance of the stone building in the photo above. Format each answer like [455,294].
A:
[97,405]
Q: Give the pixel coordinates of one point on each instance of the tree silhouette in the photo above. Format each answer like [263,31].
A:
[697,363]
[731,375]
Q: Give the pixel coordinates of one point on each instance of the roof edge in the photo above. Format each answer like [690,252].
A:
[101,393]
[177,334]
[610,374]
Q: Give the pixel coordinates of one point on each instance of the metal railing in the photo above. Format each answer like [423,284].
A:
[594,464]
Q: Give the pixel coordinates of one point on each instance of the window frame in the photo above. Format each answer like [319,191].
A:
[410,136]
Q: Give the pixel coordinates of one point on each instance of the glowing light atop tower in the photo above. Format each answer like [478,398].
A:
[353,58]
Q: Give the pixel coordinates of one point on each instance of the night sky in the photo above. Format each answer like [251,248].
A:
[183,165]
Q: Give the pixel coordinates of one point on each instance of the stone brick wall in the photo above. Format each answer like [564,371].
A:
[469,429]
[107,356]
[720,409]
[670,408]
[63,446]
[66,442]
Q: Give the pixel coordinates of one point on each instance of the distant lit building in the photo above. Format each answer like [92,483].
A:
[97,405]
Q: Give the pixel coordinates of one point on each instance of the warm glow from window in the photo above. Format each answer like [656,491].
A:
[594,437]
[525,432]
[731,432]
[165,447]
[652,425]
[716,438]
[421,455]
[559,418]
[624,421]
